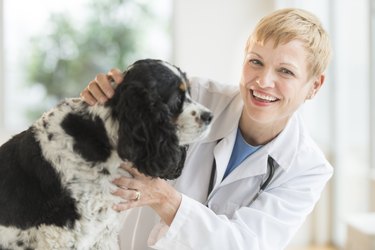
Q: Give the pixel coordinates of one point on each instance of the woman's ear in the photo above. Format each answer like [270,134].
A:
[315,87]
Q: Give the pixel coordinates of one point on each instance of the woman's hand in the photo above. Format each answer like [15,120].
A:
[142,190]
[100,89]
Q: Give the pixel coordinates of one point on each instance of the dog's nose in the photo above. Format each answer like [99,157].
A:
[206,117]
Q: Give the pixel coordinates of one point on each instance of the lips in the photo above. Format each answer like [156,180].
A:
[263,97]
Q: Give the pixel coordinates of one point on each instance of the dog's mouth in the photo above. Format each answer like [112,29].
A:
[185,140]
[188,133]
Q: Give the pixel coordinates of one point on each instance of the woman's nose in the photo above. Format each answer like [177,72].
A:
[266,80]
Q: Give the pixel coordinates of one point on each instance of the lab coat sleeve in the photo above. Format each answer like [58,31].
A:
[269,224]
[192,228]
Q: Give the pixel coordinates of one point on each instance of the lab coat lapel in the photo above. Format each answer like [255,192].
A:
[285,146]
[254,165]
[222,153]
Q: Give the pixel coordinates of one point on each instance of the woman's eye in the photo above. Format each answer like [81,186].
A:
[255,62]
[286,71]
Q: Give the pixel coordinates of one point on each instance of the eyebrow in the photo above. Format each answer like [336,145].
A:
[282,64]
[290,65]
[255,54]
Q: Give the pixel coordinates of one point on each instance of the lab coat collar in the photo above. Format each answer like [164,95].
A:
[282,149]
[224,122]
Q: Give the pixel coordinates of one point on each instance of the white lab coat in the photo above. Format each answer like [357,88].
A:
[229,222]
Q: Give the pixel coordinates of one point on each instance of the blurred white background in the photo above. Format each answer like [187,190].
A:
[206,38]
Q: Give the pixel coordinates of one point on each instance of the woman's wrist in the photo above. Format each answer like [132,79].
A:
[168,203]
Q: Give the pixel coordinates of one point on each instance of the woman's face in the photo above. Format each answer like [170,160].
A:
[275,82]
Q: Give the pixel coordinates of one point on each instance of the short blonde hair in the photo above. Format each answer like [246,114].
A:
[285,25]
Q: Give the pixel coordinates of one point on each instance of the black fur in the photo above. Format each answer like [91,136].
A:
[30,189]
[90,138]
[147,134]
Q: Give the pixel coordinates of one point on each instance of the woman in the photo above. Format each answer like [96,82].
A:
[256,130]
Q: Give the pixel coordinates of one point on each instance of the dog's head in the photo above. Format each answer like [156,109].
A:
[157,118]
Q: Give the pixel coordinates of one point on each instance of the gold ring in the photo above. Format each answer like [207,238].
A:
[137,195]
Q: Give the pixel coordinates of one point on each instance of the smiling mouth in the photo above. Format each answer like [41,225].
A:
[262,97]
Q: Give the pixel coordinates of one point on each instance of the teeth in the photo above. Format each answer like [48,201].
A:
[264,97]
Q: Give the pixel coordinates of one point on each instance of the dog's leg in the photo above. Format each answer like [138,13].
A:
[55,238]
[12,238]
[108,240]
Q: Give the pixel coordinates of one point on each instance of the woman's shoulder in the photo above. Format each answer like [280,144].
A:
[205,86]
[299,155]
[223,100]
[295,146]
[213,94]
[310,154]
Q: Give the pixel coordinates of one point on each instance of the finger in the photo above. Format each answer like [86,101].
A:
[128,194]
[116,75]
[125,183]
[104,84]
[96,92]
[87,97]
[124,206]
[131,169]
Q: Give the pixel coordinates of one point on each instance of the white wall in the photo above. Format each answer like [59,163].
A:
[1,68]
[351,104]
[210,35]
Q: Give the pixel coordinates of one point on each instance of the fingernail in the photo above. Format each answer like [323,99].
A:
[128,163]
[110,93]
[102,100]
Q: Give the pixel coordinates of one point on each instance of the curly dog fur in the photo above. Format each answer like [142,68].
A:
[55,177]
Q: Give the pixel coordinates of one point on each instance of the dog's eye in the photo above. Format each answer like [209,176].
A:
[175,104]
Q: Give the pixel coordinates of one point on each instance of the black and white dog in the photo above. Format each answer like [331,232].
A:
[55,177]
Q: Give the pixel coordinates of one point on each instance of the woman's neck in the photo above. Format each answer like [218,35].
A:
[256,133]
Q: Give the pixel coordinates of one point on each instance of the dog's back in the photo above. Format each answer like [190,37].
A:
[30,186]
[46,186]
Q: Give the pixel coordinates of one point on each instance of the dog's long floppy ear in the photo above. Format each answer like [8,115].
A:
[147,136]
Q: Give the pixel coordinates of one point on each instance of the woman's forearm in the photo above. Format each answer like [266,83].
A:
[169,201]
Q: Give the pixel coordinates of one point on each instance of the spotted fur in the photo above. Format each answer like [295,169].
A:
[55,177]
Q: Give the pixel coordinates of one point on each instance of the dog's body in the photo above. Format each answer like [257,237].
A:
[55,177]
